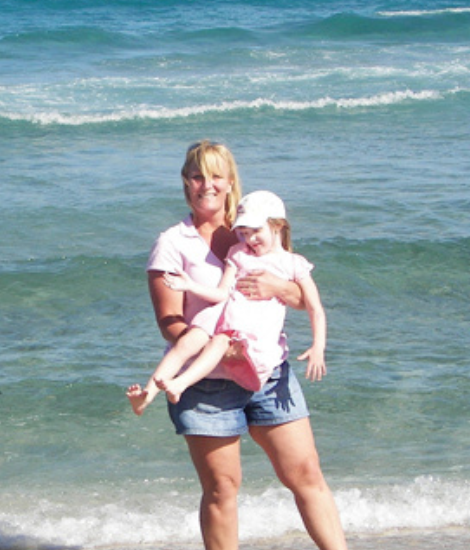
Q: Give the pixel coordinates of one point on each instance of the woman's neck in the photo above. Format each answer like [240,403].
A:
[206,222]
[217,235]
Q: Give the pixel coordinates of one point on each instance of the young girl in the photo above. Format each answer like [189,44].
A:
[264,233]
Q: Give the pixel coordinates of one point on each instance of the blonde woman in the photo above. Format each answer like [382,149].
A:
[213,413]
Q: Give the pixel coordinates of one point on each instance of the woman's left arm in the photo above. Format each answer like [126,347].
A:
[263,285]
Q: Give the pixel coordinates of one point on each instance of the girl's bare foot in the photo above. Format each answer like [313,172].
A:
[172,388]
[137,397]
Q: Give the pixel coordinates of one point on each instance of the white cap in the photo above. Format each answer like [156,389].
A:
[256,208]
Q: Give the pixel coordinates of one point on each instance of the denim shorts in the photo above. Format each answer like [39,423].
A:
[221,408]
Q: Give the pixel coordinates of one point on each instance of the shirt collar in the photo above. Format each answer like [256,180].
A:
[188,228]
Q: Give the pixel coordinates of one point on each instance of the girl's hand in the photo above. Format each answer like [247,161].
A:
[234,351]
[316,367]
[179,281]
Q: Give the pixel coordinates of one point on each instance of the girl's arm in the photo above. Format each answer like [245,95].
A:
[168,307]
[315,354]
[183,282]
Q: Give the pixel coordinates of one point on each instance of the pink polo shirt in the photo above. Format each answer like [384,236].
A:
[181,247]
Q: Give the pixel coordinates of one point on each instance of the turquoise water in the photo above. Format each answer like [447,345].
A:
[357,114]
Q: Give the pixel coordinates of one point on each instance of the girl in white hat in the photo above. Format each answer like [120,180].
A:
[255,323]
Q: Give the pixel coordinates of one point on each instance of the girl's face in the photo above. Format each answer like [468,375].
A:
[208,193]
[261,240]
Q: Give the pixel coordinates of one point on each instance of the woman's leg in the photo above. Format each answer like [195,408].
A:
[291,449]
[217,461]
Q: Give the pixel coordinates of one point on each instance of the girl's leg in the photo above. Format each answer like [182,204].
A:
[186,347]
[206,362]
[217,461]
[291,449]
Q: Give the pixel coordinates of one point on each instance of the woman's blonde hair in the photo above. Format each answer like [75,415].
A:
[283,226]
[208,156]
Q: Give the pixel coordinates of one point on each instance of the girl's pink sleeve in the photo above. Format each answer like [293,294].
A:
[302,267]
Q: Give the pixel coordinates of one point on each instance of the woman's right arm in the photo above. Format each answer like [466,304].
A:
[168,307]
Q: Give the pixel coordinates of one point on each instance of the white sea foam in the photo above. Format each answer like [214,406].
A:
[376,72]
[420,13]
[164,113]
[427,503]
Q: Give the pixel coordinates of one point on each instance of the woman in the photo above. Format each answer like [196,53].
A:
[214,413]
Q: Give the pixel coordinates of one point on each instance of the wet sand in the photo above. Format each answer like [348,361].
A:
[450,539]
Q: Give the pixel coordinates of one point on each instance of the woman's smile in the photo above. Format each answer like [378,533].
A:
[208,190]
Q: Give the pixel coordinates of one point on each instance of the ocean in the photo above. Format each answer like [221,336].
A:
[358,114]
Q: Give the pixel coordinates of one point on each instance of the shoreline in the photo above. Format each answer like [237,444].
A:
[457,538]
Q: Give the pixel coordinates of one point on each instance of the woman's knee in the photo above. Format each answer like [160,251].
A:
[302,474]
[223,487]
[217,462]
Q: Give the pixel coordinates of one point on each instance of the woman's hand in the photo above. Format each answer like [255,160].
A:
[263,285]
[258,285]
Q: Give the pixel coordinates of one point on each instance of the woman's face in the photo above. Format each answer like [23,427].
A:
[207,193]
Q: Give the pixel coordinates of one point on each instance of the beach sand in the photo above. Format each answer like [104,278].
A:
[450,539]
[458,540]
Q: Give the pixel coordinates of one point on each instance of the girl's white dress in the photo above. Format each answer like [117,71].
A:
[257,324]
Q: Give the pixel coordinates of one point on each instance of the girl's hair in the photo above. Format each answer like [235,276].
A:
[283,226]
[208,156]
